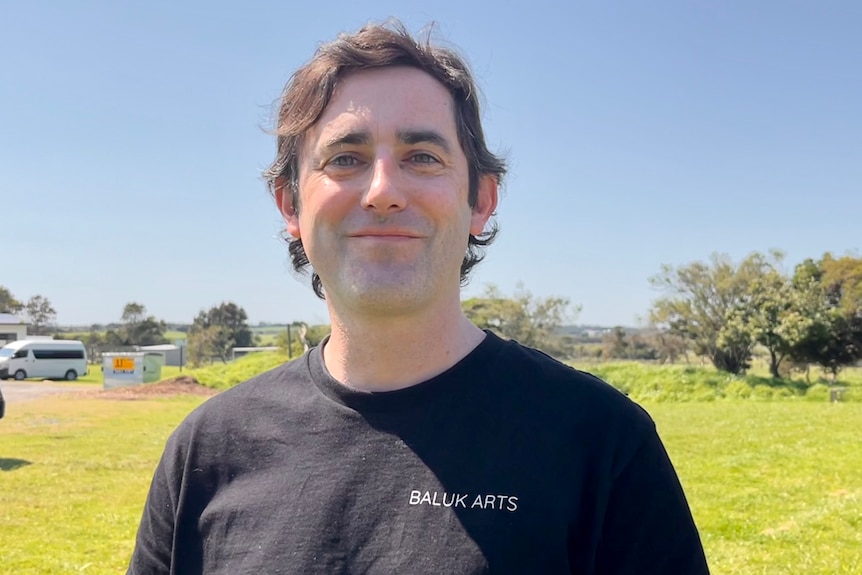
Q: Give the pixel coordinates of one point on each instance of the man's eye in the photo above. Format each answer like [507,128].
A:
[423,158]
[344,161]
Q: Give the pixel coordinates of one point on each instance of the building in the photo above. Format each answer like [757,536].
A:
[12,328]
[174,355]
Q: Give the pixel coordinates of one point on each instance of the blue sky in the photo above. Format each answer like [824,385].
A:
[638,133]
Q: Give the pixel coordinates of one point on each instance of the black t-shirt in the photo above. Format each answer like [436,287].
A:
[508,462]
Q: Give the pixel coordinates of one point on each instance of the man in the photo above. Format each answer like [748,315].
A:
[409,441]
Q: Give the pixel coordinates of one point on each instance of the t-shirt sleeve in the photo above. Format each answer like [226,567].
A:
[155,536]
[648,527]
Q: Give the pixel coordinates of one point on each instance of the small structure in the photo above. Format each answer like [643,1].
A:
[174,355]
[12,328]
[131,368]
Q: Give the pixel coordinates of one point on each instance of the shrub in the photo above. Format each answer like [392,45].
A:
[705,392]
[817,392]
[737,390]
[761,391]
[782,393]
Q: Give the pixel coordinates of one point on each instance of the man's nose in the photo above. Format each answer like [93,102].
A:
[385,192]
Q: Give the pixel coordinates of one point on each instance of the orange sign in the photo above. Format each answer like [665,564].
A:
[124,363]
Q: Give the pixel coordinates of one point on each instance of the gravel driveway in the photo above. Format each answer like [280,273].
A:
[18,391]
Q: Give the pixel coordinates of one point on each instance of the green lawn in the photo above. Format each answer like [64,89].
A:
[171,336]
[776,487]
[73,474]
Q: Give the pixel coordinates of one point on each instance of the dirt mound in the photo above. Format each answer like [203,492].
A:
[180,385]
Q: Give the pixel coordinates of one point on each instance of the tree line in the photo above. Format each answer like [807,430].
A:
[715,309]
[212,335]
[722,310]
[811,315]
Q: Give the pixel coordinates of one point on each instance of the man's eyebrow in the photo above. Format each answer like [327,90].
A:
[424,137]
[358,138]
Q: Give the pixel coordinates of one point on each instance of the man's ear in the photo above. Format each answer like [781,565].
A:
[486,204]
[285,201]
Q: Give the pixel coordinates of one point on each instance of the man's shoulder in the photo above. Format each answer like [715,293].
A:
[270,384]
[524,365]
[244,402]
[544,383]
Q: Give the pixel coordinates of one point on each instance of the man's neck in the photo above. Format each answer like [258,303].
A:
[385,354]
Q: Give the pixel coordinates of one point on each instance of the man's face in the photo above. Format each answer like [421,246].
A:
[383,183]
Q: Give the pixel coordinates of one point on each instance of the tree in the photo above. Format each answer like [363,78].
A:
[668,346]
[8,303]
[94,341]
[779,316]
[832,337]
[530,320]
[709,305]
[233,331]
[40,312]
[114,339]
[293,341]
[150,331]
[133,313]
[317,333]
[204,344]
[139,328]
[615,345]
[618,344]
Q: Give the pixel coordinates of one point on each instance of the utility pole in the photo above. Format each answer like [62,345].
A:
[289,344]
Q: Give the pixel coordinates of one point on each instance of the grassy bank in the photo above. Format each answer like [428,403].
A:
[224,375]
[678,383]
[216,375]
[642,382]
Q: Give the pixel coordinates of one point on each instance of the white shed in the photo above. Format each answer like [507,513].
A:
[12,328]
[174,355]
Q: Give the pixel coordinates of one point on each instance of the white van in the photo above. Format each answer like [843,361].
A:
[44,359]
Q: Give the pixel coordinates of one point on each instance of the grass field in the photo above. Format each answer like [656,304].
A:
[776,487]
[73,472]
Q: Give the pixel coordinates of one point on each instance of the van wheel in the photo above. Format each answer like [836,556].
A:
[71,375]
[20,374]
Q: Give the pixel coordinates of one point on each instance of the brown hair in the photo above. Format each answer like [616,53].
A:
[310,89]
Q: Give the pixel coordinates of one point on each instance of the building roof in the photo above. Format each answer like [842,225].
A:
[161,347]
[265,348]
[10,319]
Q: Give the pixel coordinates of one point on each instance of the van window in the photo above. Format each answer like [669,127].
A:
[20,353]
[58,353]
